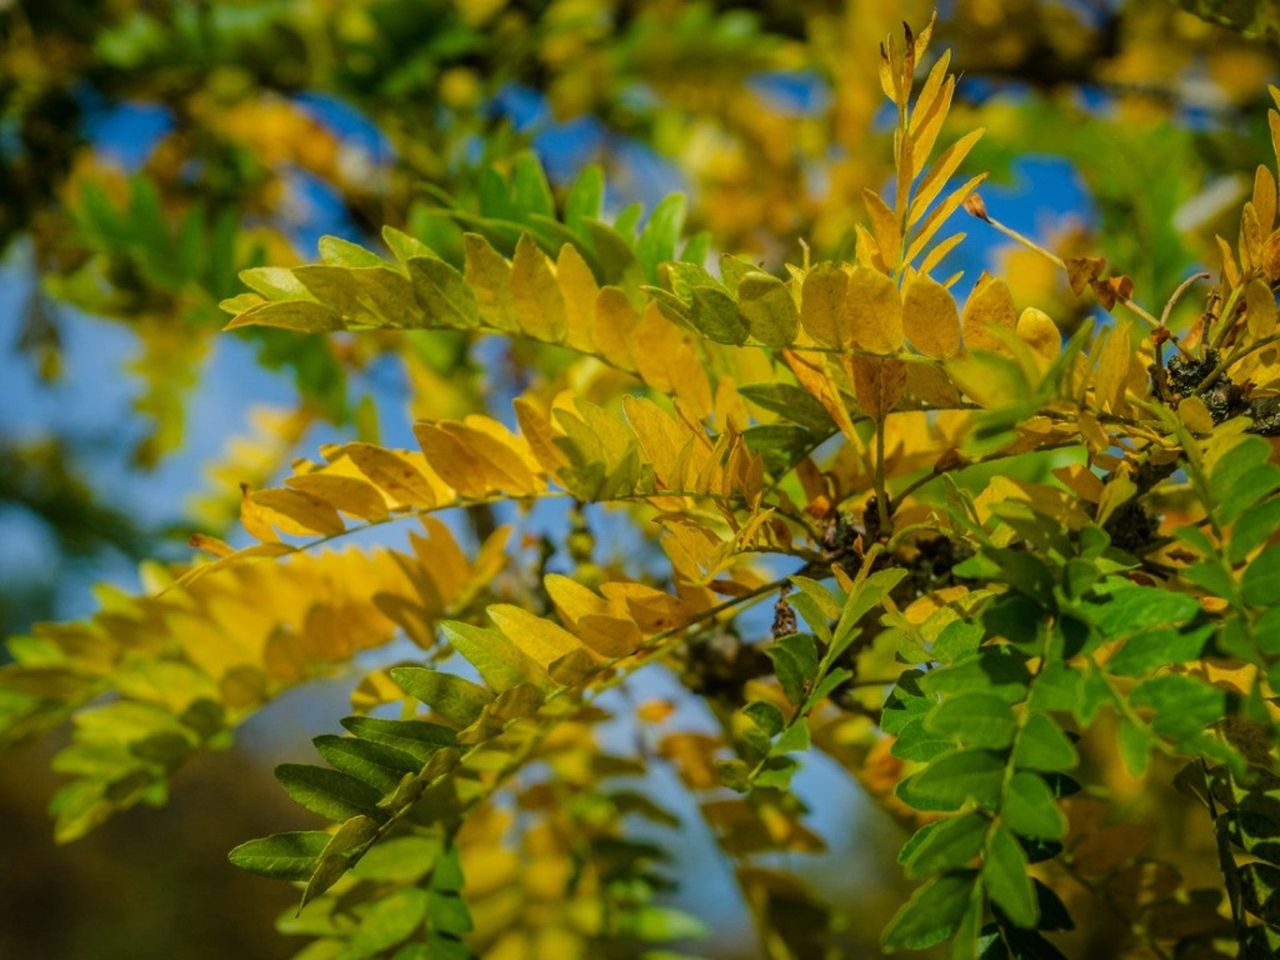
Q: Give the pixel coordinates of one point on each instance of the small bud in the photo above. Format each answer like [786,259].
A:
[976,206]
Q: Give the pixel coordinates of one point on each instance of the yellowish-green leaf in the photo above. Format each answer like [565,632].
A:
[989,305]
[875,310]
[930,318]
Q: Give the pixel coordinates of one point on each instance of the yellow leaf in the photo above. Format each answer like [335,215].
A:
[489,276]
[507,451]
[615,323]
[540,308]
[874,310]
[1113,369]
[1195,415]
[929,92]
[1038,331]
[254,518]
[866,250]
[348,494]
[989,379]
[601,625]
[666,359]
[579,290]
[1261,305]
[823,312]
[1273,122]
[1092,433]
[990,305]
[885,225]
[1118,491]
[930,318]
[1081,481]
[256,552]
[541,640]
[393,474]
[475,459]
[927,383]
[940,215]
[1229,269]
[211,545]
[933,182]
[661,437]
[535,424]
[923,139]
[878,383]
[1264,198]
[653,610]
[939,253]
[299,513]
[813,376]
[1251,238]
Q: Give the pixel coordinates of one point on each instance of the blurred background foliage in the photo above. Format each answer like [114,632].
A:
[150,151]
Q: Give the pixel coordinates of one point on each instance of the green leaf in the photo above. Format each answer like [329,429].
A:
[794,739]
[1251,487]
[1030,810]
[1130,609]
[418,738]
[401,860]
[530,192]
[781,445]
[301,316]
[829,682]
[1255,527]
[380,766]
[440,947]
[696,248]
[448,912]
[1005,877]
[861,600]
[945,845]
[496,657]
[585,199]
[733,269]
[657,241]
[457,700]
[956,641]
[767,309]
[283,856]
[795,660]
[1260,586]
[352,837]
[977,719]
[1159,648]
[1043,746]
[1183,705]
[337,252]
[715,316]
[951,781]
[786,399]
[914,742]
[656,923]
[1057,688]
[932,914]
[329,793]
[442,293]
[1244,457]
[385,923]
[1134,743]
[1001,672]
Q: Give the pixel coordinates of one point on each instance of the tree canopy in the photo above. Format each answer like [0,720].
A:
[828,458]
